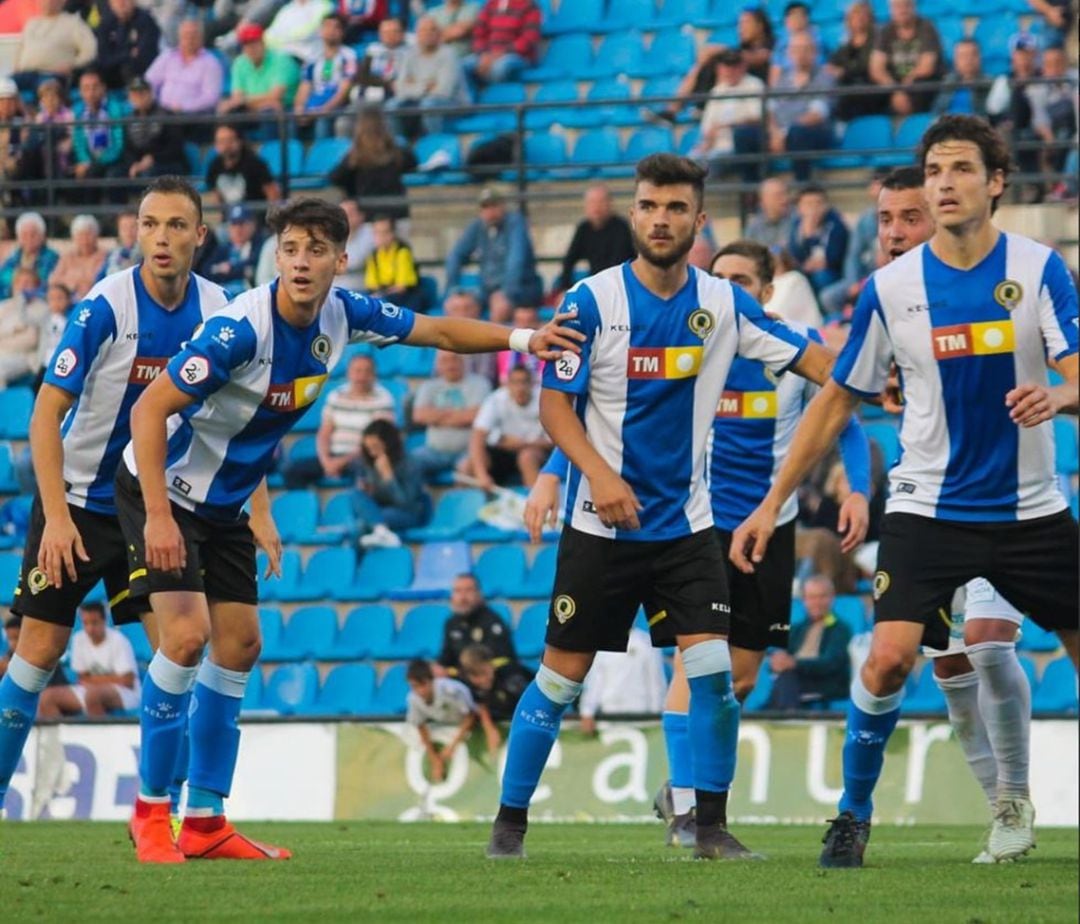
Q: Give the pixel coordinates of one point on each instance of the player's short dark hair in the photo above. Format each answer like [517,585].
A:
[92,606]
[94,71]
[764,262]
[419,671]
[671,170]
[474,655]
[339,18]
[174,185]
[812,189]
[903,178]
[977,130]
[311,214]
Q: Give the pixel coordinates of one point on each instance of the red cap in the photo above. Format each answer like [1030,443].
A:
[249,32]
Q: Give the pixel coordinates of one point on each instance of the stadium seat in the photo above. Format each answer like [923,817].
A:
[665,85]
[272,152]
[1057,691]
[701,14]
[311,633]
[993,34]
[849,609]
[292,688]
[689,138]
[303,448]
[672,52]
[16,404]
[368,632]
[759,696]
[421,632]
[269,588]
[337,521]
[600,146]
[628,15]
[619,53]
[296,514]
[559,91]
[10,563]
[866,133]
[541,574]
[270,623]
[140,644]
[544,153]
[417,362]
[379,572]
[326,570]
[349,689]
[561,60]
[646,141]
[437,566]
[530,630]
[885,434]
[426,148]
[1028,667]
[951,29]
[8,484]
[501,570]
[1034,637]
[253,692]
[576,16]
[1066,457]
[925,695]
[321,158]
[908,134]
[504,119]
[612,114]
[454,513]
[392,692]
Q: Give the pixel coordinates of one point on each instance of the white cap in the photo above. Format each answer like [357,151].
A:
[8,87]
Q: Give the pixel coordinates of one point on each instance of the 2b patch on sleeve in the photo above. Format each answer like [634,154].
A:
[567,366]
[65,363]
[195,370]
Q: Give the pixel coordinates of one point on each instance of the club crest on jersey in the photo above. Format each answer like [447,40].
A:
[564,607]
[284,397]
[663,362]
[701,323]
[881,584]
[320,348]
[984,338]
[37,581]
[65,363]
[566,366]
[389,309]
[1008,293]
[195,370]
[750,405]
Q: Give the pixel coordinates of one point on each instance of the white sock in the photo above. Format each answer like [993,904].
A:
[1005,704]
[683,799]
[962,697]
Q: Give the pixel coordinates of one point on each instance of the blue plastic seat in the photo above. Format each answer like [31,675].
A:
[326,570]
[296,514]
[993,33]
[909,133]
[564,53]
[271,152]
[421,632]
[649,140]
[597,116]
[388,360]
[1057,691]
[10,565]
[701,14]
[140,644]
[759,696]
[849,610]
[270,588]
[321,158]
[672,52]
[303,448]
[15,406]
[8,483]
[541,576]
[416,362]
[500,570]
[620,53]
[576,16]
[368,632]
[866,135]
[349,689]
[311,632]
[505,95]
[545,155]
[270,624]
[392,692]
[627,15]
[425,149]
[438,564]
[600,146]
[559,91]
[1034,637]
[337,521]
[454,513]
[292,689]
[887,437]
[689,139]
[380,572]
[530,630]
[925,695]
[253,692]
[1066,457]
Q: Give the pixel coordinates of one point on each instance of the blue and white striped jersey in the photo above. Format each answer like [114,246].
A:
[253,376]
[116,343]
[961,340]
[648,381]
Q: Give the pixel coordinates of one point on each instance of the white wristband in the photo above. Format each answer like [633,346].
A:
[519,339]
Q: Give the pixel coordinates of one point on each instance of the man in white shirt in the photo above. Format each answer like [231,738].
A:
[618,683]
[738,102]
[104,662]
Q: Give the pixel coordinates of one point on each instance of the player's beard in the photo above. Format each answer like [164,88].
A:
[662,261]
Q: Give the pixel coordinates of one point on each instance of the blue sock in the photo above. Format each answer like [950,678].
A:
[176,787]
[166,695]
[215,737]
[870,721]
[20,690]
[533,732]
[676,727]
[714,715]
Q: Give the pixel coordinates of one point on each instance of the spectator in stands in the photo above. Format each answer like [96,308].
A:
[508,441]
[20,327]
[456,20]
[104,663]
[793,297]
[1059,19]
[371,170]
[771,223]
[390,272]
[862,254]
[601,239]
[496,685]
[54,44]
[850,64]
[463,303]
[430,76]
[737,109]
[233,265]
[58,297]
[438,701]
[505,41]
[153,147]
[55,117]
[389,495]
[446,406]
[126,252]
[358,247]
[362,18]
[473,622]
[624,683]
[756,40]
[236,174]
[907,50]
[796,22]
[499,242]
[295,28]
[187,78]
[78,268]
[1010,103]
[31,252]
[261,80]
[816,666]
[382,62]
[99,140]
[819,237]
[15,139]
[128,40]
[962,95]
[1054,107]
[327,78]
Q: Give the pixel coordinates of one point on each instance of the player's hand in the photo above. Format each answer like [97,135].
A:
[1031,405]
[60,545]
[751,539]
[550,340]
[892,398]
[616,504]
[165,550]
[854,521]
[264,531]
[438,769]
[542,506]
[588,725]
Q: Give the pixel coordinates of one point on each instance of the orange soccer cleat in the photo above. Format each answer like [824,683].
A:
[215,838]
[151,833]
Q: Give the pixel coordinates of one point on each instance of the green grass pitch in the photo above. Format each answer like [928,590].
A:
[61,871]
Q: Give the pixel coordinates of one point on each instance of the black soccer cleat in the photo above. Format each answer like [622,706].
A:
[845,842]
[716,842]
[507,840]
[664,804]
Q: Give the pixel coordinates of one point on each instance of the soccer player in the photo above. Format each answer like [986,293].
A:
[633,413]
[203,437]
[119,337]
[971,319]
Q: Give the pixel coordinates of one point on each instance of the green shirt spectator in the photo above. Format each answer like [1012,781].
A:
[261,78]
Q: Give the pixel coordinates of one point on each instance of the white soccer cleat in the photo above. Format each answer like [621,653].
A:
[1013,832]
[984,857]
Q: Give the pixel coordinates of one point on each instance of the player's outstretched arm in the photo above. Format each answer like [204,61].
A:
[464,335]
[816,363]
[1030,405]
[60,540]
[164,544]
[825,417]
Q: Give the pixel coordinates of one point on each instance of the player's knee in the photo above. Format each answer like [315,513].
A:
[185,646]
[977,631]
[743,687]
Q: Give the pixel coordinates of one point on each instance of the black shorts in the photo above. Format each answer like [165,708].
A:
[761,602]
[600,583]
[921,562]
[104,543]
[503,465]
[220,555]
